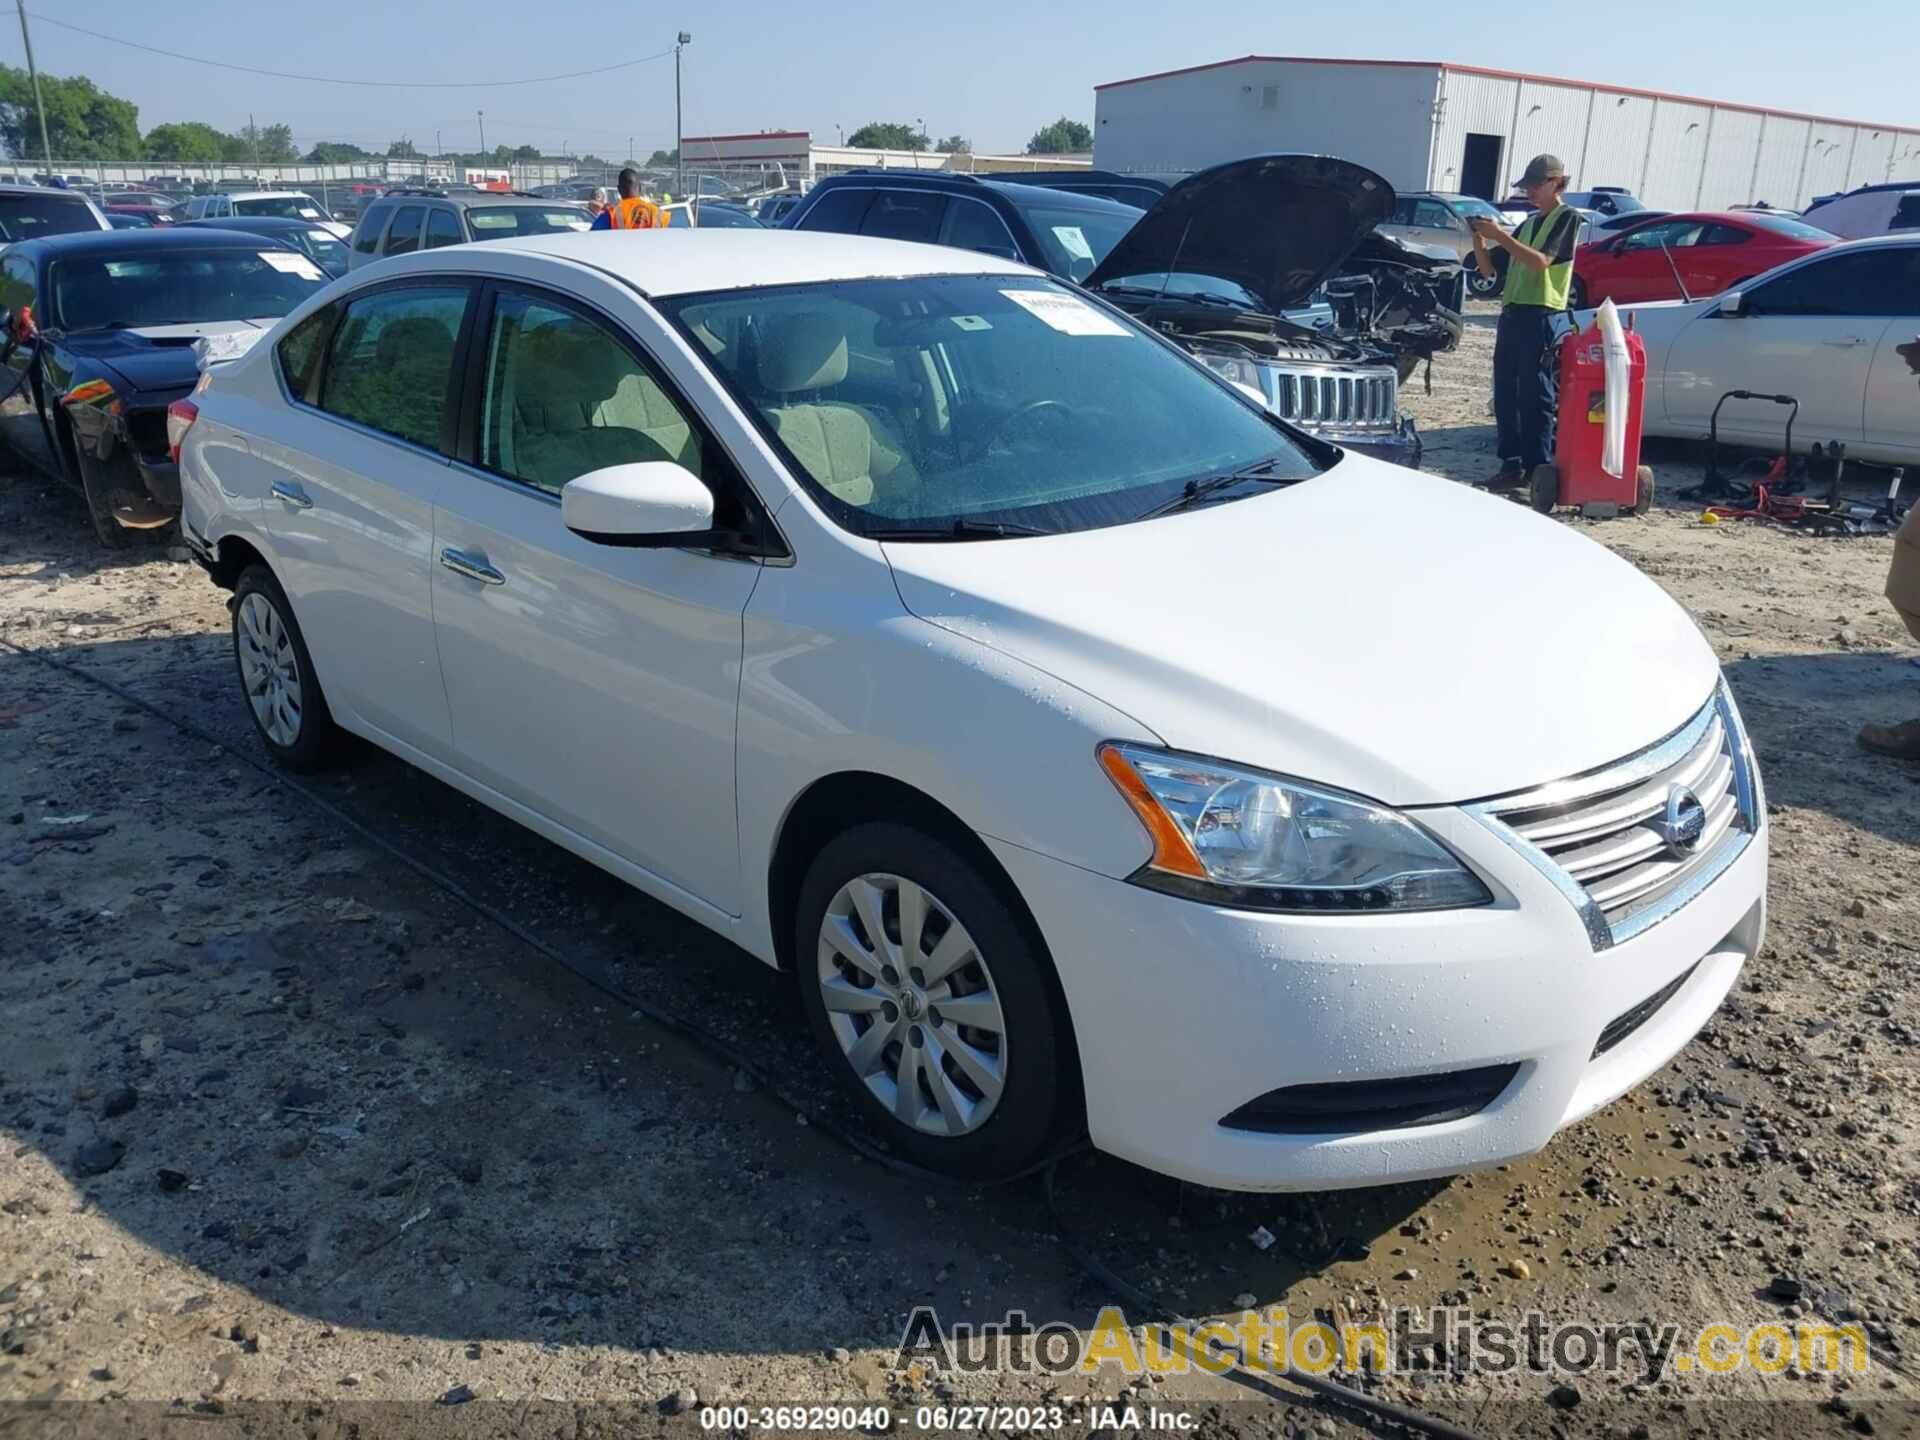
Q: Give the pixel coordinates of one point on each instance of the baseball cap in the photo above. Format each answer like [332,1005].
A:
[1542,167]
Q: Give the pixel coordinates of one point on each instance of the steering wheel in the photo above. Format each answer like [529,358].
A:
[1022,416]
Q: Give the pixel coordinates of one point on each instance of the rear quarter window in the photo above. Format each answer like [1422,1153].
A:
[300,352]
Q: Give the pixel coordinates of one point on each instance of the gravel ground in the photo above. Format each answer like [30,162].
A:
[290,1132]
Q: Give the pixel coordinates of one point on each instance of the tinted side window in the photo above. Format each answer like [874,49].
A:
[443,228]
[17,284]
[390,360]
[404,237]
[839,211]
[972,225]
[1906,215]
[300,351]
[366,239]
[1872,282]
[1725,235]
[905,215]
[564,397]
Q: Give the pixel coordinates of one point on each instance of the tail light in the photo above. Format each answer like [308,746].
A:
[180,417]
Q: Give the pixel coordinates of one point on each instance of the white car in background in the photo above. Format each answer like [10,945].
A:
[1839,331]
[278,204]
[1096,752]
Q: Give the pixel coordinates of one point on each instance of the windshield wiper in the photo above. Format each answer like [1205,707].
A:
[1195,491]
[961,527]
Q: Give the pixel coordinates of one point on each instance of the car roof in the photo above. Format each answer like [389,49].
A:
[1014,192]
[686,262]
[255,224]
[139,242]
[264,194]
[79,195]
[474,197]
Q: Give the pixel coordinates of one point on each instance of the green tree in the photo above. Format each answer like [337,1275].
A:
[956,145]
[663,159]
[1062,137]
[527,152]
[336,152]
[188,141]
[402,150]
[887,135]
[84,122]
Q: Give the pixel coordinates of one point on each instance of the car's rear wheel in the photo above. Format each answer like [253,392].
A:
[1543,487]
[276,675]
[1577,294]
[1643,490]
[932,1001]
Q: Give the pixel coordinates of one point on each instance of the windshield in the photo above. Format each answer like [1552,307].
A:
[1787,225]
[329,249]
[1473,206]
[1077,240]
[180,287]
[27,217]
[953,402]
[285,207]
[501,222]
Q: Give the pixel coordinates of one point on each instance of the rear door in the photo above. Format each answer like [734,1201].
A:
[594,685]
[1892,419]
[353,475]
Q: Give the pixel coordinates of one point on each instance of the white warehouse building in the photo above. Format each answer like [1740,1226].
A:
[1428,125]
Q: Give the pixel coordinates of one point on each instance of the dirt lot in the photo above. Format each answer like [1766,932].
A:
[292,1132]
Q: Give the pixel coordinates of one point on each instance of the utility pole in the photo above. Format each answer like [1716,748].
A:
[253,134]
[39,106]
[679,160]
[483,133]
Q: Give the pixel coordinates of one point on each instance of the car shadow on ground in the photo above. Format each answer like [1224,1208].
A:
[352,1096]
[1803,712]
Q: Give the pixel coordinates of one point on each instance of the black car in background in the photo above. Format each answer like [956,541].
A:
[322,246]
[97,338]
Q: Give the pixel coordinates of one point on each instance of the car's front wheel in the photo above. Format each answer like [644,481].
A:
[1577,294]
[932,1001]
[276,674]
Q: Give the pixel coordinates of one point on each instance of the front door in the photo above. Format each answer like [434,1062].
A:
[349,503]
[1892,420]
[593,684]
[1811,333]
[20,419]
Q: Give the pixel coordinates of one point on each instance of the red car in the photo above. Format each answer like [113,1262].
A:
[157,209]
[1712,250]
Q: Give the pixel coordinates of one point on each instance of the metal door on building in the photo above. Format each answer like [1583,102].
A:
[1480,167]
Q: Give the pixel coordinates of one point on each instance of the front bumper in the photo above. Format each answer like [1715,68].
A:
[1401,446]
[1184,1012]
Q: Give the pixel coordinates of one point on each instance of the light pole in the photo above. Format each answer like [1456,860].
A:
[679,160]
[921,121]
[39,107]
[482,116]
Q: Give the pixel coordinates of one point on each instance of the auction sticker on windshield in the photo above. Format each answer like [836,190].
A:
[1064,313]
[288,263]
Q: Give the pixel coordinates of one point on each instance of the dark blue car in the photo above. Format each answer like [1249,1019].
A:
[97,337]
[322,246]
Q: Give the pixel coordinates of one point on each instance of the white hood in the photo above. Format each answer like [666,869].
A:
[1373,629]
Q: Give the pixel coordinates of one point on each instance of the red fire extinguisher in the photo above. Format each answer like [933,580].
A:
[1576,477]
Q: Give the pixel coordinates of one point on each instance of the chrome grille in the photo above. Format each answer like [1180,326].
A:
[1343,399]
[1603,835]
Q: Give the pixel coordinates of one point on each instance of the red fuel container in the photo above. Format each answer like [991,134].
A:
[1575,477]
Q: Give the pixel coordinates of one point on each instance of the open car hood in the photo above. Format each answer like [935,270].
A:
[1275,225]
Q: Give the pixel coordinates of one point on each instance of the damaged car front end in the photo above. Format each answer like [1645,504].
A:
[1232,262]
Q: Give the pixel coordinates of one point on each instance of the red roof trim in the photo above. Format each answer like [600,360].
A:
[760,135]
[1598,85]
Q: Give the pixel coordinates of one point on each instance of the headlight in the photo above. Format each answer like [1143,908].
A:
[1240,837]
[1230,367]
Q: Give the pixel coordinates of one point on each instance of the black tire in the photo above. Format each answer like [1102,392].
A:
[1643,490]
[1027,1114]
[1543,488]
[96,485]
[1485,287]
[315,741]
[1577,294]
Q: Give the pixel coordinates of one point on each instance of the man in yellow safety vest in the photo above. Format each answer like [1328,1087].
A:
[632,210]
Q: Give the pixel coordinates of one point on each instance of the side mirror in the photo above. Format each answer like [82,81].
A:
[1733,304]
[653,504]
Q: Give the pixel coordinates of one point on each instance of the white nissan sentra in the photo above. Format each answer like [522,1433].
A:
[1092,749]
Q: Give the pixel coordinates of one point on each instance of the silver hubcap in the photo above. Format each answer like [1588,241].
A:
[268,668]
[912,1004]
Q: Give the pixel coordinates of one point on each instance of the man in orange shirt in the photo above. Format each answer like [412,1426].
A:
[632,211]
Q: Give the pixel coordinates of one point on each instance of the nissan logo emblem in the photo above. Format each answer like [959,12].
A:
[1683,823]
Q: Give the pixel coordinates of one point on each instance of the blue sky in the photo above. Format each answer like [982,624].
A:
[992,69]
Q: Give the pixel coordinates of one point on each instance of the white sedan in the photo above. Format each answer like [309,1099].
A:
[1097,754]
[1839,331]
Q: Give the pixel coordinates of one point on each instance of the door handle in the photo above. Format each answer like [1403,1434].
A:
[474,567]
[286,490]
[1844,341]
